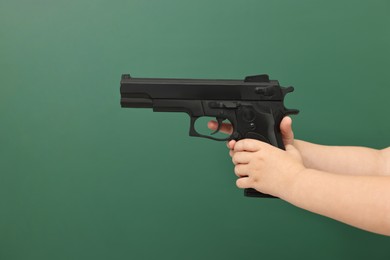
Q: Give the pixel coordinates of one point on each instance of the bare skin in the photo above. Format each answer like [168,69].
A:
[348,184]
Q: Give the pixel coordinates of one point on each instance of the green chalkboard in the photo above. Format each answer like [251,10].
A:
[82,178]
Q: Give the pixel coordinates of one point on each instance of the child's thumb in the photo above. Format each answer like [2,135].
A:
[286,130]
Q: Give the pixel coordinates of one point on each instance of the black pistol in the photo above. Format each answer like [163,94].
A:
[254,106]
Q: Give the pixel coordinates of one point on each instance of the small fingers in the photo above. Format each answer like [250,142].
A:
[243,183]
[241,158]
[231,144]
[249,145]
[241,170]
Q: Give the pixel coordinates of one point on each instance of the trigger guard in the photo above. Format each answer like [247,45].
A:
[195,133]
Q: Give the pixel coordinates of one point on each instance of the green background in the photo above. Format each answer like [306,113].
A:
[82,178]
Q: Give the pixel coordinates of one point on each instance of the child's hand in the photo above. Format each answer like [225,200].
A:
[264,167]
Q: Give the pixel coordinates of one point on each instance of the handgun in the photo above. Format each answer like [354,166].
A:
[254,106]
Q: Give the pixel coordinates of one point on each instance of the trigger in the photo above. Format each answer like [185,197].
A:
[220,120]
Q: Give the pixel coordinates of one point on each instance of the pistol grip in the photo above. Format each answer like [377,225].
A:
[256,194]
[271,136]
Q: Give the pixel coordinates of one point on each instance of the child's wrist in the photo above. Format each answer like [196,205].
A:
[291,185]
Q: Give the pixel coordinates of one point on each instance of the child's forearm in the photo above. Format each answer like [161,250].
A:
[344,160]
[361,201]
